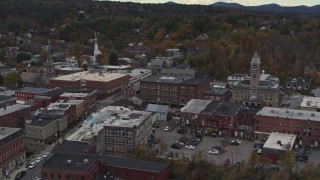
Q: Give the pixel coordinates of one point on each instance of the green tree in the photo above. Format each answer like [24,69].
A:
[113,59]
[23,56]
[12,80]
[287,160]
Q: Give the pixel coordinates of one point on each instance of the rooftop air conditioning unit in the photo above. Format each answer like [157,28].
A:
[68,162]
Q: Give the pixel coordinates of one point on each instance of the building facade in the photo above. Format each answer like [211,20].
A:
[132,169]
[213,116]
[259,89]
[7,101]
[15,115]
[304,124]
[71,166]
[172,89]
[27,94]
[12,150]
[104,83]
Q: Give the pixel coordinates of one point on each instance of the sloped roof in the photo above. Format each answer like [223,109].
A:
[157,108]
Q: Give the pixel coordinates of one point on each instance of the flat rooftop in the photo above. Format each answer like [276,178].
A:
[310,102]
[13,108]
[174,79]
[289,113]
[280,141]
[80,95]
[34,90]
[7,131]
[123,162]
[90,76]
[76,162]
[114,116]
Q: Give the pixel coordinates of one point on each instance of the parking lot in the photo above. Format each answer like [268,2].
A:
[234,153]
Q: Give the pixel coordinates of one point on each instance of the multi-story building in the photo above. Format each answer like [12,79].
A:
[172,89]
[304,124]
[208,115]
[68,109]
[71,166]
[246,121]
[298,83]
[310,103]
[116,130]
[15,115]
[12,150]
[27,94]
[105,83]
[259,89]
[7,101]
[74,147]
[217,94]
[45,128]
[132,169]
[235,78]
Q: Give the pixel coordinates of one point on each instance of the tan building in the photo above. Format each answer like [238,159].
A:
[44,129]
[259,89]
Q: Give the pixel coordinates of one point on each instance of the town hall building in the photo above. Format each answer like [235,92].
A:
[259,89]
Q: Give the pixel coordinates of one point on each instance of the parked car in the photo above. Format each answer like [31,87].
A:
[235,143]
[20,175]
[217,148]
[226,162]
[238,163]
[166,128]
[190,147]
[32,165]
[45,155]
[181,131]
[214,152]
[39,159]
[176,146]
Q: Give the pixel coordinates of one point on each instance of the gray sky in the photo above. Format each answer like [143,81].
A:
[244,2]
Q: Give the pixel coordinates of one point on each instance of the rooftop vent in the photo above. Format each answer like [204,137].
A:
[287,111]
[312,115]
[40,119]
[68,162]
[272,111]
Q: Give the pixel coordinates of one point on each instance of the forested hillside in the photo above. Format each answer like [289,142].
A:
[285,42]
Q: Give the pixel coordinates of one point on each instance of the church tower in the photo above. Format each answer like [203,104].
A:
[255,77]
[49,66]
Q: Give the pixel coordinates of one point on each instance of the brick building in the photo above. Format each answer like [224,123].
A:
[71,166]
[7,101]
[105,83]
[12,150]
[15,115]
[132,169]
[172,89]
[74,147]
[207,115]
[304,124]
[27,94]
[217,94]
[276,145]
[246,121]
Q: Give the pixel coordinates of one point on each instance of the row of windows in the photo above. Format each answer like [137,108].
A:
[305,132]
[119,141]
[288,125]
[119,133]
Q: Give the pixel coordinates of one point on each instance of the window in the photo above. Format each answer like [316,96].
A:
[274,124]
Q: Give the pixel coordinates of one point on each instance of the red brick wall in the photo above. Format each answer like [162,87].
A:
[15,119]
[87,174]
[132,174]
[288,125]
[11,150]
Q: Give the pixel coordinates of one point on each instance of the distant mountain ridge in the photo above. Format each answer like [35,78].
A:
[272,7]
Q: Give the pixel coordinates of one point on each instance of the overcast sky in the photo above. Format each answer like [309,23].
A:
[244,2]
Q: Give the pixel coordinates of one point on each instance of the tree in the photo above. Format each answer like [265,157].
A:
[162,146]
[287,160]
[113,59]
[23,56]
[12,80]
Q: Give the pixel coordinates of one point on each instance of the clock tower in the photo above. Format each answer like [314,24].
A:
[255,76]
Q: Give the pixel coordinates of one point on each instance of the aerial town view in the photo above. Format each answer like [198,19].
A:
[159,90]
